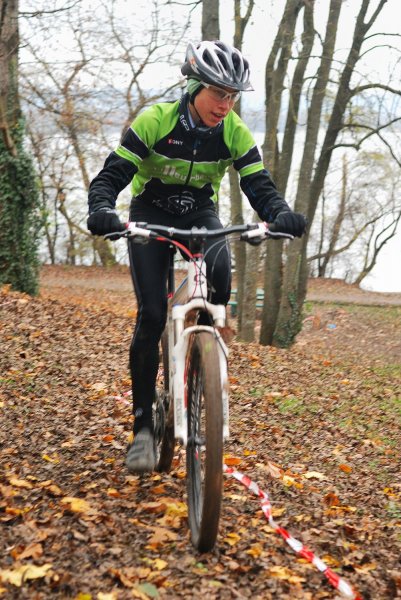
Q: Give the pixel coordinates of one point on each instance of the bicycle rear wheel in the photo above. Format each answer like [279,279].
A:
[163,415]
[205,441]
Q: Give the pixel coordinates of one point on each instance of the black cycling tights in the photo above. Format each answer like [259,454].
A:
[149,269]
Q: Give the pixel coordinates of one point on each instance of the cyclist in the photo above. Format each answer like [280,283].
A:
[175,155]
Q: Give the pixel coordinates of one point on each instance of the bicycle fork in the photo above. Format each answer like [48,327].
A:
[180,339]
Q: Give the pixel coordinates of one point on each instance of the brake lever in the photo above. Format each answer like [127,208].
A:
[114,235]
[278,235]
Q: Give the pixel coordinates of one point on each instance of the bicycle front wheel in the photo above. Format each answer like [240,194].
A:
[205,441]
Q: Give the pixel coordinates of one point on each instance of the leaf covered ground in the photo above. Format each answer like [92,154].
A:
[317,427]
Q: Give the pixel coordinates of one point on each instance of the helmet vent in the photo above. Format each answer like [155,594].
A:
[223,61]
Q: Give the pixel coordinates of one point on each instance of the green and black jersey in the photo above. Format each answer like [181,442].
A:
[179,168]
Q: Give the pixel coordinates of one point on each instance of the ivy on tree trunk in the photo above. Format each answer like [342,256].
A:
[19,198]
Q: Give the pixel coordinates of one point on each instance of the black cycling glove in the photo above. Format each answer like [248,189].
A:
[290,222]
[104,220]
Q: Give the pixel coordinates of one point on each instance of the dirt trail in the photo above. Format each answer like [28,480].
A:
[118,280]
[317,426]
[340,315]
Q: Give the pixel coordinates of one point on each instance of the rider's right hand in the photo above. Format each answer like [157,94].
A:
[104,220]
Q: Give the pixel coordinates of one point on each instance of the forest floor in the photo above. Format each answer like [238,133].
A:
[316,426]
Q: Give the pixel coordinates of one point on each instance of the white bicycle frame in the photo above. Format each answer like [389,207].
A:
[191,295]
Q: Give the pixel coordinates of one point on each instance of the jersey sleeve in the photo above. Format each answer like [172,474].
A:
[256,182]
[263,196]
[116,174]
[122,164]
[243,149]
[141,136]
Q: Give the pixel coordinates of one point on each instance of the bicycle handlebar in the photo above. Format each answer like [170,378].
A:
[249,232]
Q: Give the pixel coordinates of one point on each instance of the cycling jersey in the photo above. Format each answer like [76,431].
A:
[179,167]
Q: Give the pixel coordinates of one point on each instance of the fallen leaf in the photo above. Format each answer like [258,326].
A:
[331,499]
[345,468]
[315,475]
[31,551]
[12,510]
[127,576]
[68,444]
[53,459]
[274,470]
[51,487]
[278,512]
[232,539]
[54,490]
[20,483]
[159,489]
[145,591]
[23,573]
[285,574]
[332,561]
[154,507]
[162,535]
[78,505]
[255,550]
[178,509]
[250,452]
[231,461]
[288,480]
[98,387]
[365,568]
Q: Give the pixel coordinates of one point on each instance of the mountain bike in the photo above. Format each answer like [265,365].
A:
[191,404]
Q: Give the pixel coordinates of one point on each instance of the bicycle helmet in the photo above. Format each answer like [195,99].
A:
[217,63]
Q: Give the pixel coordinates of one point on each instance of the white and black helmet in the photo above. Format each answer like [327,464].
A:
[217,63]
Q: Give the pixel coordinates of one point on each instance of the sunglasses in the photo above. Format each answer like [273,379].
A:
[221,95]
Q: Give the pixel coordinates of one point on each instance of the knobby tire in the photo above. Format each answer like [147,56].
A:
[205,441]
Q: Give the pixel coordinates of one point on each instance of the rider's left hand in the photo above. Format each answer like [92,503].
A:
[290,222]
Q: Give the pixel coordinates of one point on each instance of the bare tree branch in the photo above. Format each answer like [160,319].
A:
[372,86]
[41,13]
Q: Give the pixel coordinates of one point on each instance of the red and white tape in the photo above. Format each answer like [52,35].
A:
[123,398]
[336,581]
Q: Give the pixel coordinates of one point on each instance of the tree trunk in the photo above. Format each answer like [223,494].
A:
[239,247]
[19,205]
[244,261]
[71,249]
[273,274]
[246,332]
[210,20]
[288,322]
[337,223]
[101,245]
[308,37]
[309,190]
[276,69]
